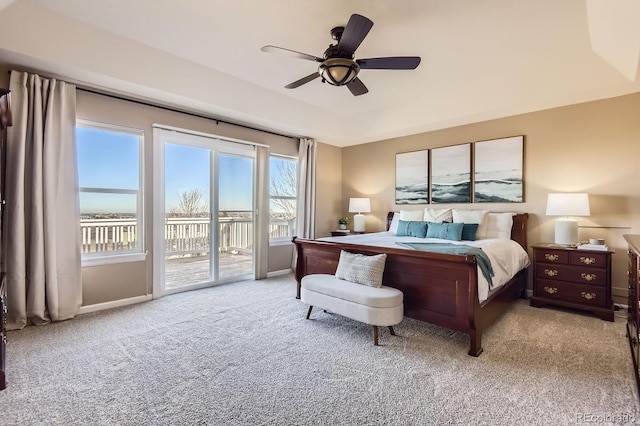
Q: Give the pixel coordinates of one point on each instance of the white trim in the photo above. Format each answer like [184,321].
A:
[108,126]
[280,241]
[158,214]
[114,258]
[205,135]
[278,273]
[114,304]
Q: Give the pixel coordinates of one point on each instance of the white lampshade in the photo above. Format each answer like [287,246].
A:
[568,204]
[359,206]
[564,204]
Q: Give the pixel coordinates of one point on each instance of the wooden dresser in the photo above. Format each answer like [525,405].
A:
[578,279]
[633,318]
[3,338]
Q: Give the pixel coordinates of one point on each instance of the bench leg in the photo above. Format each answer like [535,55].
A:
[393,333]
[309,311]
[375,335]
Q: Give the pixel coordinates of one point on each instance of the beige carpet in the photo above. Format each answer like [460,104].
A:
[243,354]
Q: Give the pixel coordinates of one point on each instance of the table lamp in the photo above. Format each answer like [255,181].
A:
[567,205]
[359,206]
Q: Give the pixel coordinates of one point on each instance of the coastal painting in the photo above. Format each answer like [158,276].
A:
[498,170]
[451,174]
[412,177]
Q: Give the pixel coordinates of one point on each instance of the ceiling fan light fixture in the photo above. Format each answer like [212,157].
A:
[338,71]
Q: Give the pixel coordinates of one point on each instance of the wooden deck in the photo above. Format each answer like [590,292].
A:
[191,270]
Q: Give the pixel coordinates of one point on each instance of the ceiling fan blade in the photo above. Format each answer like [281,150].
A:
[356,30]
[357,87]
[289,52]
[390,63]
[302,81]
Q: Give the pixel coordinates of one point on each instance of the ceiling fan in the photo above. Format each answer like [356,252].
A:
[338,66]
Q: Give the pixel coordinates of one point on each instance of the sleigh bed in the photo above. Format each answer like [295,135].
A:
[438,288]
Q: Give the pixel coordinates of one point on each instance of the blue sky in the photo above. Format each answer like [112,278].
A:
[111,160]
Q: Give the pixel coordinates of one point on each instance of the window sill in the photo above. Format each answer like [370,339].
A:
[112,259]
[274,242]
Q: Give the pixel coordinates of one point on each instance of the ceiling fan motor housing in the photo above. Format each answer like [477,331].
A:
[338,71]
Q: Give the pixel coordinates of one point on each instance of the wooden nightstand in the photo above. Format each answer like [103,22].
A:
[579,279]
[340,233]
[344,233]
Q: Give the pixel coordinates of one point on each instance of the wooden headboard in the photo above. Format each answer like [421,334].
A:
[518,230]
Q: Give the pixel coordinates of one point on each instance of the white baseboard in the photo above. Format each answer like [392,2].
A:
[114,304]
[278,273]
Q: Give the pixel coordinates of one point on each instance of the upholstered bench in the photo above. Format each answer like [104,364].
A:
[378,306]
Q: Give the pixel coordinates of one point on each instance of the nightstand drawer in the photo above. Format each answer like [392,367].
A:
[598,260]
[593,276]
[552,256]
[569,292]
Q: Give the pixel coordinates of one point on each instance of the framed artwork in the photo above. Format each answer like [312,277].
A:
[451,174]
[412,177]
[498,170]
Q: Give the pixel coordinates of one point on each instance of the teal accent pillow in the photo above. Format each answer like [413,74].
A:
[445,231]
[469,231]
[412,229]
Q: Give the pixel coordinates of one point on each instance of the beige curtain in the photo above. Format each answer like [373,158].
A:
[262,219]
[306,217]
[42,216]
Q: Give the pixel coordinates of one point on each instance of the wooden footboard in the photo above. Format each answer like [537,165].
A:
[438,288]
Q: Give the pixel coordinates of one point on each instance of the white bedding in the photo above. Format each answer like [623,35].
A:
[507,256]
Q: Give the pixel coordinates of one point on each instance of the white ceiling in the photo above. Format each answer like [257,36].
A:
[480,59]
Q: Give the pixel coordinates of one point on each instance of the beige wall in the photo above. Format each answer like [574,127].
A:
[592,147]
[328,189]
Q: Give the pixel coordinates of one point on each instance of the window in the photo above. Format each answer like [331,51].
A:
[109,160]
[283,202]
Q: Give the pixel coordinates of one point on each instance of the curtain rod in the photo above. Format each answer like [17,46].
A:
[193,114]
[168,108]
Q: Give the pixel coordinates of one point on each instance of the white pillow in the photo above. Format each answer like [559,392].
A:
[393,227]
[411,215]
[499,225]
[437,216]
[361,269]
[473,216]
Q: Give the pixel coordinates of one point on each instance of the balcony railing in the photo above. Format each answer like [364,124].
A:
[183,236]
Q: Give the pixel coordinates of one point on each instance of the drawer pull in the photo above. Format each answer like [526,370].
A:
[588,277]
[587,295]
[551,257]
[551,272]
[587,260]
[551,290]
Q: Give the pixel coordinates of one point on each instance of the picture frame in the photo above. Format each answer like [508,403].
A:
[412,177]
[498,170]
[451,174]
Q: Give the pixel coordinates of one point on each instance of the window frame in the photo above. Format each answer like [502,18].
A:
[287,239]
[139,252]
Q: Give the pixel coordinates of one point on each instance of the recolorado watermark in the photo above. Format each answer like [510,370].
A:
[607,418]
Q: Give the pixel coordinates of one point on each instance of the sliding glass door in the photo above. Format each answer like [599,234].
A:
[204,216]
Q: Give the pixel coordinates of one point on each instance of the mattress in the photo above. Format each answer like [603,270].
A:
[507,256]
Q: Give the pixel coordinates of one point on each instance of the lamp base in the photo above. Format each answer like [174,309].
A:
[566,232]
[358,222]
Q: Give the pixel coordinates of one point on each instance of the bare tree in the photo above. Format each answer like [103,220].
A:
[191,203]
[282,189]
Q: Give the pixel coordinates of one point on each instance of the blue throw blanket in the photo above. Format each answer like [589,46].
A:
[481,257]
